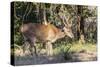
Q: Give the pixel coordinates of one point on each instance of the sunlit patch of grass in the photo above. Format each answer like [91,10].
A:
[87,46]
[75,47]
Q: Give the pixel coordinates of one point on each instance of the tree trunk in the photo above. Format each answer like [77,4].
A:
[44,15]
[80,25]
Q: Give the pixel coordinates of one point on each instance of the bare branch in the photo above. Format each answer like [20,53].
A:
[30,9]
[27,8]
[15,13]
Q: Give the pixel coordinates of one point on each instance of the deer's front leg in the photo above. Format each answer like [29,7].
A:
[49,49]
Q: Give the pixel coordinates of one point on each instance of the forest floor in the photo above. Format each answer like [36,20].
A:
[77,53]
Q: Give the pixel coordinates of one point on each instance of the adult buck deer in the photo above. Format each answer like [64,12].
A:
[47,34]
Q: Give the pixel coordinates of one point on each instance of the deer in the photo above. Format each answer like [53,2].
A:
[46,34]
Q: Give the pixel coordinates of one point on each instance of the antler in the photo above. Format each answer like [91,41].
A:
[64,18]
[68,22]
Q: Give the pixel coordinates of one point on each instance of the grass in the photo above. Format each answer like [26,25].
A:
[75,47]
[87,46]
[68,51]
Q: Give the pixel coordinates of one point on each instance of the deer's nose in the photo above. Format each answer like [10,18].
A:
[72,36]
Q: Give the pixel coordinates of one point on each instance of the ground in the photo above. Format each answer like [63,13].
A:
[76,53]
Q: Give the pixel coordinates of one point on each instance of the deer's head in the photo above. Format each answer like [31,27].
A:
[68,31]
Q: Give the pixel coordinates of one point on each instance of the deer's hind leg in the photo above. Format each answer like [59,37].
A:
[33,48]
